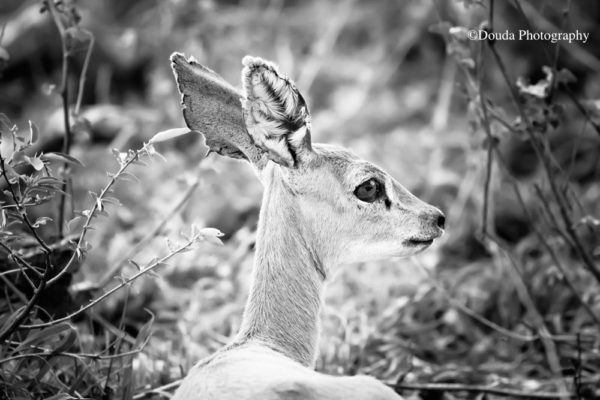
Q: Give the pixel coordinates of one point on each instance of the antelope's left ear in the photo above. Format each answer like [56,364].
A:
[275,113]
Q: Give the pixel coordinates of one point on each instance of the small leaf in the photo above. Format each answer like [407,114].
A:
[72,224]
[41,221]
[135,264]
[56,156]
[7,144]
[210,232]
[145,332]
[34,132]
[169,134]
[42,336]
[211,235]
[35,162]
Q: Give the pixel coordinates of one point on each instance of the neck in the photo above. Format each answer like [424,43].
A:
[283,307]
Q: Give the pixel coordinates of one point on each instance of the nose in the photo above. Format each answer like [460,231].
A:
[441,220]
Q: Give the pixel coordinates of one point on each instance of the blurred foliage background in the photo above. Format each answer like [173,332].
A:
[510,151]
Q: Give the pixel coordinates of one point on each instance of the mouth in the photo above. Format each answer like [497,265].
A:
[419,242]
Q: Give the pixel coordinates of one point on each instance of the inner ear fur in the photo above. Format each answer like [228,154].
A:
[275,113]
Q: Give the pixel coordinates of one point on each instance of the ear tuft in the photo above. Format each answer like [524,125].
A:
[275,112]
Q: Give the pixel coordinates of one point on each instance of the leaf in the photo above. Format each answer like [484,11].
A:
[144,332]
[169,134]
[34,132]
[7,144]
[135,264]
[112,200]
[35,162]
[72,224]
[56,156]
[41,221]
[211,235]
[42,336]
[539,90]
[542,88]
[210,232]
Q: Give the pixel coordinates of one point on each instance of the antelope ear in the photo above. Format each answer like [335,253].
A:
[212,106]
[275,113]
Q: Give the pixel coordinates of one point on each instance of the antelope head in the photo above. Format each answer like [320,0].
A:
[346,208]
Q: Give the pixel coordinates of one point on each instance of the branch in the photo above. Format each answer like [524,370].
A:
[29,306]
[565,278]
[64,91]
[541,153]
[159,389]
[151,235]
[93,211]
[490,324]
[126,282]
[45,352]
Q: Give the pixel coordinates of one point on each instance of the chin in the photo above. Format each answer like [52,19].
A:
[385,251]
[412,247]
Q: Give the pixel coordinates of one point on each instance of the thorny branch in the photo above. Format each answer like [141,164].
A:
[95,208]
[124,283]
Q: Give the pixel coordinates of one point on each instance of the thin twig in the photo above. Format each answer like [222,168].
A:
[30,304]
[83,74]
[151,235]
[486,125]
[64,91]
[16,291]
[159,389]
[50,352]
[92,212]
[564,277]
[487,322]
[20,260]
[126,282]
[537,318]
[545,157]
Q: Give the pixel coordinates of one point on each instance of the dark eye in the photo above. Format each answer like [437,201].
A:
[369,190]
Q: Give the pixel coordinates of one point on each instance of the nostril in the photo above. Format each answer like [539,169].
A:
[441,221]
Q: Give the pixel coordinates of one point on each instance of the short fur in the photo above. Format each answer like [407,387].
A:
[310,223]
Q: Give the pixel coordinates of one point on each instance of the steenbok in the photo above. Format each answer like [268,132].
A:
[322,207]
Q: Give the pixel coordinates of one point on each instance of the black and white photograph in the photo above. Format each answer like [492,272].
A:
[299,200]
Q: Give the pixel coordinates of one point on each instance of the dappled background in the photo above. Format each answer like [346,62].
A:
[503,136]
